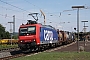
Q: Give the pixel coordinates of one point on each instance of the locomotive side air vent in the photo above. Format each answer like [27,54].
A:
[31,22]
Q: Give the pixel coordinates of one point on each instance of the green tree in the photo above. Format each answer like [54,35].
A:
[3,34]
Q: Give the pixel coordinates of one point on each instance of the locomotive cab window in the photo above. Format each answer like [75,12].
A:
[32,29]
[23,30]
[28,30]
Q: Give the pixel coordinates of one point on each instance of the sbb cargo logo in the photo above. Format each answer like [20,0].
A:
[48,35]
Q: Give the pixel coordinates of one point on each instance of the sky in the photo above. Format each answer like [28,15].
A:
[58,12]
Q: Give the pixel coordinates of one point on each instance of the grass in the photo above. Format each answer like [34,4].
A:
[8,46]
[57,56]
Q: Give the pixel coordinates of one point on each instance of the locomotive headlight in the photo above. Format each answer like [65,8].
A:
[34,40]
[38,43]
[21,41]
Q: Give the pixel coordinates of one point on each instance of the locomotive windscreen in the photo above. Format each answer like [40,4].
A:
[30,30]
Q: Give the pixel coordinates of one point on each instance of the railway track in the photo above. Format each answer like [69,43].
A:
[13,56]
[9,49]
[18,53]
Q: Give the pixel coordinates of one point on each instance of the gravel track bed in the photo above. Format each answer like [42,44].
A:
[73,48]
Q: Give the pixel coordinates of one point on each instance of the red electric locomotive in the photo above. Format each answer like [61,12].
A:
[34,35]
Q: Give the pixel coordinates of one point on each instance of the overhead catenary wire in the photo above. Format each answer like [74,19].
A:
[29,3]
[9,9]
[14,6]
[36,6]
[26,10]
[32,4]
[19,7]
[5,16]
[9,16]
